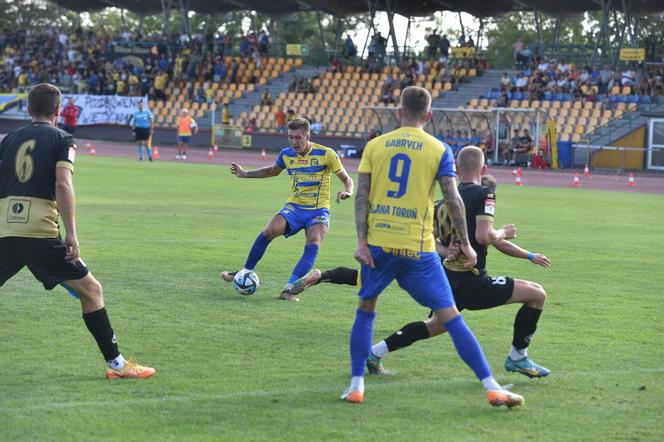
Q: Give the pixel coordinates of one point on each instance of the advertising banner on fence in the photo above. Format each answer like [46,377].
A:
[104,109]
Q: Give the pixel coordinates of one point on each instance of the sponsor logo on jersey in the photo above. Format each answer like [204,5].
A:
[302,162]
[314,162]
[490,207]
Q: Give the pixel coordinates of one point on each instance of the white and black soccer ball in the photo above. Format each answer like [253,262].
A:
[246,282]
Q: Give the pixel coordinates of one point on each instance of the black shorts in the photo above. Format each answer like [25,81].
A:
[70,129]
[45,258]
[481,292]
[141,133]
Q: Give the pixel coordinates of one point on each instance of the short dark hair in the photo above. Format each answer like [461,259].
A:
[44,100]
[299,123]
[415,102]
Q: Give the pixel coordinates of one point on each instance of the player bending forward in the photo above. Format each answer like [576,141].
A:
[474,289]
[36,167]
[394,217]
[309,165]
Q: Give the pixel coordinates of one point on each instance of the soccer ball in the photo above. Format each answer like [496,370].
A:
[246,282]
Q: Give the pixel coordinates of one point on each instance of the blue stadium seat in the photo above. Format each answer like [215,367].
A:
[633,99]
[645,99]
[622,99]
[559,97]
[568,97]
[517,96]
[548,96]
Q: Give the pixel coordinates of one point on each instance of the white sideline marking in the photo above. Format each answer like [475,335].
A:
[298,390]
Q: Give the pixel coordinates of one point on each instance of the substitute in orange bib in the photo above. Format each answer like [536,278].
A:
[186,126]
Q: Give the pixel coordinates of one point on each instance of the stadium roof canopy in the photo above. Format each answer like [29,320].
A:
[478,8]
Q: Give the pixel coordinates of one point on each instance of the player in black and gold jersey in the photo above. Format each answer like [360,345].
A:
[36,167]
[473,289]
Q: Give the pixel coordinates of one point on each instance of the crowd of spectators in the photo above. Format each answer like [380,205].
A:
[93,62]
[549,80]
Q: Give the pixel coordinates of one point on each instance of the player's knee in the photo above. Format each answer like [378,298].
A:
[435,327]
[538,296]
[92,290]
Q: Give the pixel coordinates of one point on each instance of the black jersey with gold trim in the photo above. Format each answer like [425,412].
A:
[480,204]
[28,159]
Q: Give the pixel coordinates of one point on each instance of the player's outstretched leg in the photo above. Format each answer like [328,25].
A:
[338,275]
[407,335]
[301,269]
[89,292]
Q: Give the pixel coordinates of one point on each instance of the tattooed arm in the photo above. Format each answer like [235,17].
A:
[362,207]
[457,212]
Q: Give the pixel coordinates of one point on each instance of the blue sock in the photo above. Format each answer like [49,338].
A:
[140,152]
[149,149]
[468,347]
[257,251]
[305,263]
[360,341]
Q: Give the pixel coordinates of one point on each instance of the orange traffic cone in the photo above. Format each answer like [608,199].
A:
[155,152]
[263,154]
[586,171]
[630,181]
[518,181]
[577,181]
[210,154]
[519,172]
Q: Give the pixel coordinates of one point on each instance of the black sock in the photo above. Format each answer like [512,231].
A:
[410,333]
[525,325]
[340,275]
[100,328]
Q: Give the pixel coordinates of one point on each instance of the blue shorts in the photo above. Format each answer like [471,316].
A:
[421,275]
[298,218]
[184,139]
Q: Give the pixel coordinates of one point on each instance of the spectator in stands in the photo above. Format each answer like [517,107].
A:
[336,65]
[444,49]
[280,120]
[250,126]
[226,114]
[160,86]
[521,82]
[350,50]
[293,85]
[290,115]
[263,44]
[200,94]
[433,40]
[266,98]
[505,82]
[470,43]
[519,58]
[650,43]
[220,71]
[245,46]
[70,115]
[316,127]
[627,78]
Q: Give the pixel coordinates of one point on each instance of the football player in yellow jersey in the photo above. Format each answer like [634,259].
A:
[309,166]
[394,217]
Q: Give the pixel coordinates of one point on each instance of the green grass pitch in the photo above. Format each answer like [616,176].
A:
[254,368]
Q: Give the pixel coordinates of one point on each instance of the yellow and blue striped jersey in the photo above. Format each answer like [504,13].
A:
[404,165]
[310,174]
